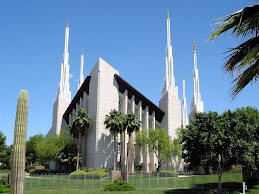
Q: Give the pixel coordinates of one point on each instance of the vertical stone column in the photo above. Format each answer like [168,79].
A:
[145,149]
[124,110]
[131,153]
[151,152]
[85,99]
[137,148]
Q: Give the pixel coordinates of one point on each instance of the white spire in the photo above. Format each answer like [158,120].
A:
[184,107]
[196,104]
[81,76]
[64,76]
[169,80]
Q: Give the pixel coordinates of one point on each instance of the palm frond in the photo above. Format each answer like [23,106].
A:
[250,74]
[244,22]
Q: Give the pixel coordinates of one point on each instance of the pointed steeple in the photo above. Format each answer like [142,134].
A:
[196,104]
[184,107]
[81,76]
[169,80]
[64,76]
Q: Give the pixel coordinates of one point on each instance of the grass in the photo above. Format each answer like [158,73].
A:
[50,182]
[5,171]
[148,191]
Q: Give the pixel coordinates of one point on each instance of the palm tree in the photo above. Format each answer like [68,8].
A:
[114,121]
[132,124]
[78,128]
[242,62]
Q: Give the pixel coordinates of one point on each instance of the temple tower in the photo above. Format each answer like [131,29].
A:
[184,107]
[81,76]
[170,103]
[196,104]
[63,96]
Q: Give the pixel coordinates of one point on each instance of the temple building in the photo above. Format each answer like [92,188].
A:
[104,90]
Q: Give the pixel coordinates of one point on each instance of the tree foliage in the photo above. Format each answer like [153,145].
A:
[52,147]
[242,61]
[5,153]
[218,141]
[115,123]
[78,128]
[31,144]
[161,143]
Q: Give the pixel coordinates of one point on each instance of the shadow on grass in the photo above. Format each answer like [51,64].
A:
[209,188]
[228,185]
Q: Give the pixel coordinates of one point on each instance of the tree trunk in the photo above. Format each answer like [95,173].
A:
[115,153]
[219,183]
[130,153]
[78,146]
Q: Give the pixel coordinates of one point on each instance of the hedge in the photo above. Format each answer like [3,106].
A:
[39,172]
[80,174]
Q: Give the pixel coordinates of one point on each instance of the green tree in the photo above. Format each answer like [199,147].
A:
[132,124]
[78,128]
[50,148]
[218,141]
[5,153]
[242,61]
[115,123]
[158,141]
[31,144]
[68,156]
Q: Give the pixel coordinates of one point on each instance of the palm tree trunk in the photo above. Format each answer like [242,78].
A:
[78,146]
[115,152]
[130,153]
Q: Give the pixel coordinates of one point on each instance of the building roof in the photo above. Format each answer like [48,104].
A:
[76,99]
[123,85]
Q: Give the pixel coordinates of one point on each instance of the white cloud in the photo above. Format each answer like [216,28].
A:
[71,75]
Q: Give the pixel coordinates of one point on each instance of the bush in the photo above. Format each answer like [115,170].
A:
[39,172]
[168,173]
[5,189]
[35,165]
[90,169]
[119,185]
[98,174]
[78,172]
[4,180]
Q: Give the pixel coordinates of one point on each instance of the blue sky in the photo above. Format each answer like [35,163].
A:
[129,35]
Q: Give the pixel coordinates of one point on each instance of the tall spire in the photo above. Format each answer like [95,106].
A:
[184,107]
[196,104]
[81,76]
[64,76]
[169,80]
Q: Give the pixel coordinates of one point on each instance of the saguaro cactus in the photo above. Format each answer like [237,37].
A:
[19,146]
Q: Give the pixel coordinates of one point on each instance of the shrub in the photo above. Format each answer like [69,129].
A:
[138,167]
[102,169]
[119,185]
[90,169]
[97,174]
[169,173]
[5,189]
[35,165]
[4,180]
[78,172]
[39,172]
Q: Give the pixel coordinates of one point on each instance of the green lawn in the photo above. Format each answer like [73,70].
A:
[5,171]
[50,182]
[147,191]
